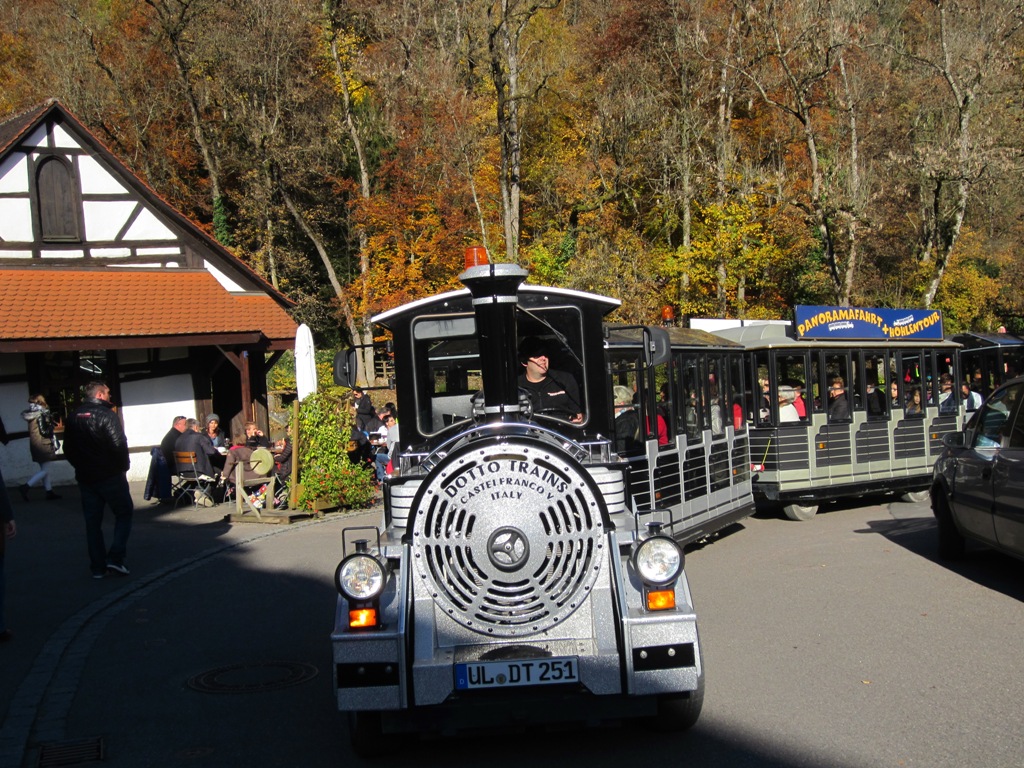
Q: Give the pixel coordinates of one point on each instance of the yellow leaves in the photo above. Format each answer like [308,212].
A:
[730,249]
[970,290]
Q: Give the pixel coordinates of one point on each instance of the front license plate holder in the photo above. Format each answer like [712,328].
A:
[514,673]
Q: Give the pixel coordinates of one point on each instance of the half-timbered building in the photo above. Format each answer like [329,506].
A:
[100,278]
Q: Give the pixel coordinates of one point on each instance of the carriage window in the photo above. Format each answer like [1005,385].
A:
[739,421]
[762,392]
[947,394]
[663,406]
[875,386]
[915,394]
[716,396]
[819,393]
[692,398]
[837,387]
[625,380]
[791,380]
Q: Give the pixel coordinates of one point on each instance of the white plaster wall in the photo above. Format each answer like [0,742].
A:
[148,227]
[147,409]
[16,220]
[96,180]
[105,218]
[14,173]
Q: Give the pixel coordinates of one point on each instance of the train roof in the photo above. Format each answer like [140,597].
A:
[679,337]
[766,336]
[972,340]
[530,297]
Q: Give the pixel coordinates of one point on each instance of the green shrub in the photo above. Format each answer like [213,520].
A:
[326,474]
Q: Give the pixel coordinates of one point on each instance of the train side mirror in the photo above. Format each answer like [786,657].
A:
[345,367]
[657,346]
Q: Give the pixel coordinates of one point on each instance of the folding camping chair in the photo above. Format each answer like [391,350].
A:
[192,483]
[256,493]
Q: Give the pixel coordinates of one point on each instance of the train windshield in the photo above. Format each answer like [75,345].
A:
[448,371]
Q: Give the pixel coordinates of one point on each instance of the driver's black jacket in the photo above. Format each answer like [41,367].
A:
[557,394]
[94,442]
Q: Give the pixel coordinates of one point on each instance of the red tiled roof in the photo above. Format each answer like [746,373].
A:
[39,305]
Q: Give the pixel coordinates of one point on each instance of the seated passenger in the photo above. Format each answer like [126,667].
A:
[798,397]
[914,407]
[194,441]
[971,399]
[627,422]
[553,393]
[875,402]
[839,407]
[947,401]
[787,410]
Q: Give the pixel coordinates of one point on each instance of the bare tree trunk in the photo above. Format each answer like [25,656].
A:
[175,18]
[509,19]
[856,202]
[361,329]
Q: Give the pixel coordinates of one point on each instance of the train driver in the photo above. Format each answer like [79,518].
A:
[552,392]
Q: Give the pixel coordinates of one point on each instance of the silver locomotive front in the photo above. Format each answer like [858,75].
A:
[512,583]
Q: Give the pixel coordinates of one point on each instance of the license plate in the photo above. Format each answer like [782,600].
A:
[506,674]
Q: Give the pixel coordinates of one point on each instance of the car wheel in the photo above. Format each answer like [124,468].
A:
[799,512]
[365,733]
[915,497]
[951,543]
[679,712]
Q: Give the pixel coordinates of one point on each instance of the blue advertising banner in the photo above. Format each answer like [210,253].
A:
[859,323]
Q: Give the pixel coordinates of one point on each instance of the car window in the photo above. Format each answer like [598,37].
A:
[993,416]
[1017,432]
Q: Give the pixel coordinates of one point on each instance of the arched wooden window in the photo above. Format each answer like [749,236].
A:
[58,200]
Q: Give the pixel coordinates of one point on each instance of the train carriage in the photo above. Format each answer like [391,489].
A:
[873,392]
[693,465]
[988,360]
[529,565]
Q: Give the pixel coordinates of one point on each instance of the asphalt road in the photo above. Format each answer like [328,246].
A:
[840,641]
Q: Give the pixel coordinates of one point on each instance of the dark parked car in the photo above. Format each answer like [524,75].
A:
[978,484]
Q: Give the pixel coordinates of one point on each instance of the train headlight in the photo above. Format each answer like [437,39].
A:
[658,560]
[360,577]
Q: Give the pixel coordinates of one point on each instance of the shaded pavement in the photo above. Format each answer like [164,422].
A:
[58,612]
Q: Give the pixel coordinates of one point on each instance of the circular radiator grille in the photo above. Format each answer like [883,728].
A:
[508,536]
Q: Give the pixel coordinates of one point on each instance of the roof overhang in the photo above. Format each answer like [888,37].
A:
[58,310]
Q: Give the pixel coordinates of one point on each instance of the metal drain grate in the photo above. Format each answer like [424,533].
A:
[71,752]
[252,678]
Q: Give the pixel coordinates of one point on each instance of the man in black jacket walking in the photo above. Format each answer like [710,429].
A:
[96,446]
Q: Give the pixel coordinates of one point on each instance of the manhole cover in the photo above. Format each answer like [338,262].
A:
[251,678]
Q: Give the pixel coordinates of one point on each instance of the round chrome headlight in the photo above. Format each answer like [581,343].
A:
[658,560]
[359,577]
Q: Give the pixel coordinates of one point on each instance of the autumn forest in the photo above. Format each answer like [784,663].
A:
[727,158]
